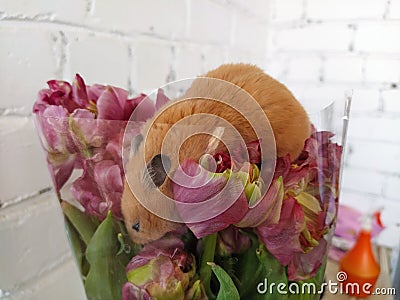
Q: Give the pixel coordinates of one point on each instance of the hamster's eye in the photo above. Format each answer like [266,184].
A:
[158,168]
[136,227]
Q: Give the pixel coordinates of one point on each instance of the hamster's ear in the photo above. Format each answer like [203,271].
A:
[158,168]
[136,141]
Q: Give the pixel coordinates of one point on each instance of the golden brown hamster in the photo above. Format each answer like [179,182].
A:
[288,119]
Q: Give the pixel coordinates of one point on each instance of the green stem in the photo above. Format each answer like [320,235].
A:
[210,242]
[80,221]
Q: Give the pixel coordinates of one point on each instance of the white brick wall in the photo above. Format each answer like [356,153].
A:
[98,58]
[378,37]
[138,45]
[30,231]
[21,158]
[320,48]
[346,68]
[382,69]
[23,71]
[391,103]
[345,10]
[312,37]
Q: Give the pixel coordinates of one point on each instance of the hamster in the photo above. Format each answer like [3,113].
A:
[289,122]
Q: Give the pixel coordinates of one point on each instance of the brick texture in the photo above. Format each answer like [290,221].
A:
[136,45]
[318,48]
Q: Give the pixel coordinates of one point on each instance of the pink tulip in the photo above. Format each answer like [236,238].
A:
[82,127]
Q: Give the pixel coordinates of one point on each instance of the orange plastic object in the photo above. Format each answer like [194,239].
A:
[361,267]
[377,216]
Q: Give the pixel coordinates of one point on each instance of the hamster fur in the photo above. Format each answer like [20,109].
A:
[288,119]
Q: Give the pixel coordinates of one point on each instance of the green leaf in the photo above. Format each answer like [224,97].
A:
[81,222]
[248,269]
[107,270]
[75,243]
[273,272]
[227,289]
[210,243]
[316,281]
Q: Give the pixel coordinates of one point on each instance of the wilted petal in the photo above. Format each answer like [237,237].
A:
[254,151]
[162,99]
[84,190]
[108,178]
[197,185]
[60,86]
[131,104]
[42,101]
[306,265]
[283,239]
[83,114]
[268,209]
[196,292]
[166,246]
[232,241]
[114,148]
[63,172]
[108,106]
[165,272]
[250,154]
[54,128]
[309,155]
[223,162]
[143,111]
[79,93]
[323,137]
[61,94]
[132,292]
[94,91]
[172,290]
[122,95]
[85,130]
[99,189]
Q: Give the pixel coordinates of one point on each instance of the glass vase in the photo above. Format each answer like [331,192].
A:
[276,250]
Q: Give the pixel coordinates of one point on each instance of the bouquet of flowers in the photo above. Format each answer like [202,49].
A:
[281,237]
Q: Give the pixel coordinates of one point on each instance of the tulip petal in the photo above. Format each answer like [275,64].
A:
[108,106]
[161,100]
[99,189]
[282,239]
[306,265]
[167,246]
[131,104]
[197,185]
[267,209]
[162,268]
[79,93]
[144,110]
[132,292]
